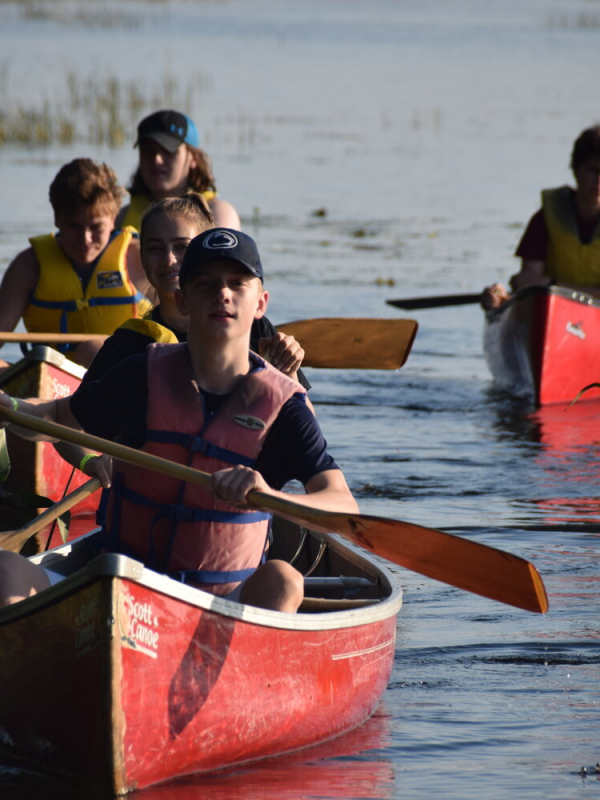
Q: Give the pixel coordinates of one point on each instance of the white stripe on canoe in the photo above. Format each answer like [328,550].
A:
[366,651]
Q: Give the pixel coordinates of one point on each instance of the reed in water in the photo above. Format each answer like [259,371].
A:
[94,110]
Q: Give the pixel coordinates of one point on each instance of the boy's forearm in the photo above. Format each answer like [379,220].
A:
[50,410]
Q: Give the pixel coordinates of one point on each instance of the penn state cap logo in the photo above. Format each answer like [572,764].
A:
[220,240]
[252,423]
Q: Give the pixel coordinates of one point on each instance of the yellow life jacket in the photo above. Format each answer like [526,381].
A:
[568,260]
[59,303]
[138,206]
[140,203]
[153,330]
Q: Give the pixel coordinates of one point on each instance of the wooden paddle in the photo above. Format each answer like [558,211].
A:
[436,301]
[335,343]
[14,540]
[460,562]
[47,338]
[353,343]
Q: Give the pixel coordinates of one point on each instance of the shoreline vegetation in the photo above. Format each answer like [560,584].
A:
[85,13]
[94,110]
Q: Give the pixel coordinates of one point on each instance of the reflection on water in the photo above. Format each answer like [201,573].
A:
[569,457]
[352,767]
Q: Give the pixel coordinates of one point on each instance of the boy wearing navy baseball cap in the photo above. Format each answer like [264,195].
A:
[220,244]
[213,405]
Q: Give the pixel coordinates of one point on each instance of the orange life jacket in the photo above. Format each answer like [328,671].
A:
[181,528]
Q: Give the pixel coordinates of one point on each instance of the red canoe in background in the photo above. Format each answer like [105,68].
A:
[36,466]
[543,345]
[140,679]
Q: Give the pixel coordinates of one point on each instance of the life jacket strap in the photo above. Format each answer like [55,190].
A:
[68,306]
[181,513]
[79,304]
[196,444]
[209,576]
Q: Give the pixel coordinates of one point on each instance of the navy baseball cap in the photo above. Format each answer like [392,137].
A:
[220,244]
[170,129]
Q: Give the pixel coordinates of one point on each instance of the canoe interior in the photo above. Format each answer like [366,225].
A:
[149,666]
[36,466]
[542,346]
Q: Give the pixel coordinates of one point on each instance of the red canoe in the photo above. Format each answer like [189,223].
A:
[543,345]
[36,466]
[164,680]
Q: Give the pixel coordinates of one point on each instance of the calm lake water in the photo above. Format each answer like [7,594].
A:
[423,130]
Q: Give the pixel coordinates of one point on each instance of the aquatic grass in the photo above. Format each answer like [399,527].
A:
[92,109]
[92,15]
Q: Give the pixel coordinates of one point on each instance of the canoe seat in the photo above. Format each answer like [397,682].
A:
[310,604]
[341,585]
[349,584]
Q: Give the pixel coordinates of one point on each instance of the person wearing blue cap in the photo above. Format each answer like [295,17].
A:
[214,405]
[171,162]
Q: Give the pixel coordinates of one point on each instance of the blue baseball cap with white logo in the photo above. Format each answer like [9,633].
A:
[170,129]
[220,244]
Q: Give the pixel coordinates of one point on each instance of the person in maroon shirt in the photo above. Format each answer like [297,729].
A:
[584,202]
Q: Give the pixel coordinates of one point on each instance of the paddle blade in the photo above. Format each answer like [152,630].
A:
[451,559]
[436,301]
[347,343]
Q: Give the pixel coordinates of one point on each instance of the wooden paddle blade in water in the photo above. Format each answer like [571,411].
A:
[347,343]
[436,301]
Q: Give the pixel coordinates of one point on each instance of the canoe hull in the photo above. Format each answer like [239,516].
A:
[543,345]
[36,466]
[166,683]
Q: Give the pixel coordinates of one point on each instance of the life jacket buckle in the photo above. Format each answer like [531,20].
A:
[81,304]
[196,444]
[181,514]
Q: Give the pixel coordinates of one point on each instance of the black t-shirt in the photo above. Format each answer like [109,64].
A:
[126,342]
[115,407]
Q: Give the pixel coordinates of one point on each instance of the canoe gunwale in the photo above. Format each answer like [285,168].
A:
[46,355]
[561,291]
[114,566]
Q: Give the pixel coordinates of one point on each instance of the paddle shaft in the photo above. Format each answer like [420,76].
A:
[14,540]
[334,343]
[460,562]
[436,301]
[48,338]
